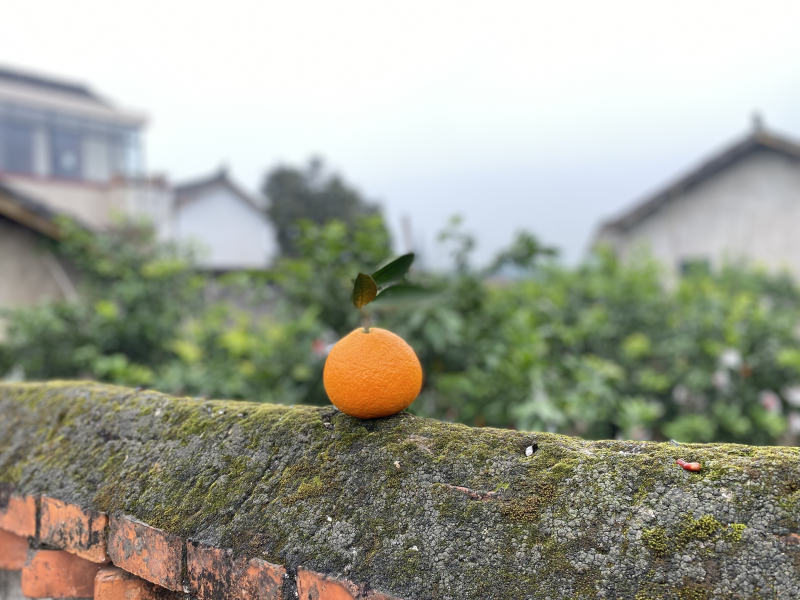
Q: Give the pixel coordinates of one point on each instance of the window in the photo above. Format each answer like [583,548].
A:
[124,153]
[66,155]
[64,146]
[95,157]
[16,138]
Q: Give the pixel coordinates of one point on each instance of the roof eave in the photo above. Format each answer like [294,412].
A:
[12,209]
[186,192]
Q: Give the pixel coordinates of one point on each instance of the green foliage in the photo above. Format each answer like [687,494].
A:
[610,350]
[321,275]
[229,353]
[523,253]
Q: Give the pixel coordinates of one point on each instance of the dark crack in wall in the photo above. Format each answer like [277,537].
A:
[414,507]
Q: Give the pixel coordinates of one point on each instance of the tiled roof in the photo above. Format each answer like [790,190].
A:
[187,192]
[758,139]
[48,83]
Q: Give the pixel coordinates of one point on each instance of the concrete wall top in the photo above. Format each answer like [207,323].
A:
[408,507]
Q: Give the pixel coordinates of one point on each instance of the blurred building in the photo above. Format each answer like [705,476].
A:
[232,229]
[66,150]
[66,147]
[740,205]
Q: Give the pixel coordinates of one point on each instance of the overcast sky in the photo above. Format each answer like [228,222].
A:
[546,116]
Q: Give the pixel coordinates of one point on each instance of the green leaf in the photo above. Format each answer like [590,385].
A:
[394,271]
[364,290]
[404,294]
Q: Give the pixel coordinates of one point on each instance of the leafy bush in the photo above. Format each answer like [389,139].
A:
[628,356]
[143,320]
[227,353]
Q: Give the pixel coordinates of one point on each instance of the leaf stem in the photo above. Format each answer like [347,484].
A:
[364,319]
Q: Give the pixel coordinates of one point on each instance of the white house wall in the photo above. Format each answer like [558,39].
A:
[232,234]
[748,211]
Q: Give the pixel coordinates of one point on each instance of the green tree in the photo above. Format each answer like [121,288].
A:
[312,194]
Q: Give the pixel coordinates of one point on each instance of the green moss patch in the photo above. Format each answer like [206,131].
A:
[409,506]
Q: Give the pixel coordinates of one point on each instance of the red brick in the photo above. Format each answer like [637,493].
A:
[17,514]
[71,528]
[315,586]
[13,551]
[58,574]
[214,574]
[113,583]
[150,553]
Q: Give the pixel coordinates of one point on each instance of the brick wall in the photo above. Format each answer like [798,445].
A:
[53,549]
[127,494]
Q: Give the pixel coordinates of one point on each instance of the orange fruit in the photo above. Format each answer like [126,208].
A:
[370,375]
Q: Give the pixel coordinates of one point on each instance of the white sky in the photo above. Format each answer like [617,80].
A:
[547,116]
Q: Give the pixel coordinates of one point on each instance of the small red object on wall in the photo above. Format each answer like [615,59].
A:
[694,466]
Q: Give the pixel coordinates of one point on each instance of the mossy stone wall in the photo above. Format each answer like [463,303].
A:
[413,507]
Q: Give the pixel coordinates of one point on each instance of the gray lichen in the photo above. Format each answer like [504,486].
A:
[413,507]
